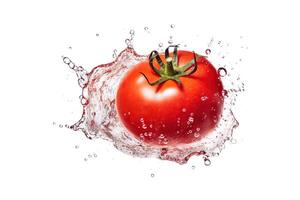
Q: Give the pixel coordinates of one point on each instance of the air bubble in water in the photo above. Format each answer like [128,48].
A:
[172,25]
[152,175]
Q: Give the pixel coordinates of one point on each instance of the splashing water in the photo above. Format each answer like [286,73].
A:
[100,118]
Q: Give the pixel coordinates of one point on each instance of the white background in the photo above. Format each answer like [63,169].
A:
[38,160]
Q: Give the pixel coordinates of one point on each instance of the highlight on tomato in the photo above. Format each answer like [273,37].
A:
[170,99]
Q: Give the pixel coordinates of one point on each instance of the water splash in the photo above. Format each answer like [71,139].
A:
[100,119]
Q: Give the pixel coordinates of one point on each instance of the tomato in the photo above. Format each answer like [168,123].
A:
[162,103]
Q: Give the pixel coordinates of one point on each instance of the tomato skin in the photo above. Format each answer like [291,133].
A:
[170,114]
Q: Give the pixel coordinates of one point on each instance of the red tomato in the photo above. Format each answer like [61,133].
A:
[171,112]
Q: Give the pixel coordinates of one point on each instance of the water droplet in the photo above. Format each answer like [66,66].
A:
[160,44]
[222,71]
[170,41]
[76,146]
[66,60]
[210,42]
[83,100]
[131,32]
[207,162]
[165,141]
[152,175]
[193,167]
[198,129]
[90,155]
[85,159]
[97,34]
[60,126]
[224,93]
[204,98]
[70,47]
[95,155]
[216,94]
[142,136]
[191,119]
[204,116]
[172,25]
[183,110]
[207,51]
[128,42]
[141,119]
[144,126]
[147,29]
[115,53]
[233,141]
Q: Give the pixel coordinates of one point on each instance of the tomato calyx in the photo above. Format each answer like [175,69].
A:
[170,70]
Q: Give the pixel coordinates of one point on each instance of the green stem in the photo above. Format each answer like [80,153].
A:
[171,70]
